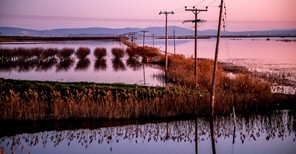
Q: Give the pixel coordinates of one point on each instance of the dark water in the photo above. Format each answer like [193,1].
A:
[270,133]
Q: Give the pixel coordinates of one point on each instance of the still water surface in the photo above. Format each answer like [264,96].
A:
[271,133]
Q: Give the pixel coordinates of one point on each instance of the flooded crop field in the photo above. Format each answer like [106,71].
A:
[272,132]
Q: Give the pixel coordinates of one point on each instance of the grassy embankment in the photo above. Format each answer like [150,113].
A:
[35,100]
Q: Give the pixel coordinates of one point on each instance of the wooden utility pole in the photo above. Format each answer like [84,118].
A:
[196,12]
[144,31]
[166,36]
[212,99]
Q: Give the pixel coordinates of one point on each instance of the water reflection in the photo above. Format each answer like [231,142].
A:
[46,65]
[255,133]
[134,63]
[100,64]
[118,65]
[65,64]
[82,64]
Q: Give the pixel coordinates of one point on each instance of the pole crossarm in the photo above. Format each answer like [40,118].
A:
[195,10]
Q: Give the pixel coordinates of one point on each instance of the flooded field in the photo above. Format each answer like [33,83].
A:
[272,133]
[122,71]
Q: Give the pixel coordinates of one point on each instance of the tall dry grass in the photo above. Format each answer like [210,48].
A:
[21,100]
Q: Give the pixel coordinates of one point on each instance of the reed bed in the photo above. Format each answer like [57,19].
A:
[24,100]
[100,53]
[82,52]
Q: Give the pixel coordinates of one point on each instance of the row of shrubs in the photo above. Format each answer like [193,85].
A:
[81,53]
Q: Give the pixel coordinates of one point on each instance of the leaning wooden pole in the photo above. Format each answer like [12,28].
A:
[216,59]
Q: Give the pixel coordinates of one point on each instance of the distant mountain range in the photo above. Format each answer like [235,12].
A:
[158,31]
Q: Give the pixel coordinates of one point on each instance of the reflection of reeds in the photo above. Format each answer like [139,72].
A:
[133,63]
[45,65]
[82,64]
[101,64]
[100,53]
[118,65]
[117,53]
[82,52]
[65,64]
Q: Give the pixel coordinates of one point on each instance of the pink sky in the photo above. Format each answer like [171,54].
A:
[50,14]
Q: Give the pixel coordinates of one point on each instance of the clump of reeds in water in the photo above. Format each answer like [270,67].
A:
[82,52]
[132,52]
[100,53]
[118,53]
[65,53]
[133,59]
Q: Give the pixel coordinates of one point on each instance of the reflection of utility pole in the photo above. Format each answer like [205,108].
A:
[212,135]
[174,41]
[212,98]
[166,36]
[196,12]
[144,31]
[196,137]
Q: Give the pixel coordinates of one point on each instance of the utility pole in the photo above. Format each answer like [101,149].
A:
[174,41]
[166,36]
[144,31]
[216,58]
[196,12]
